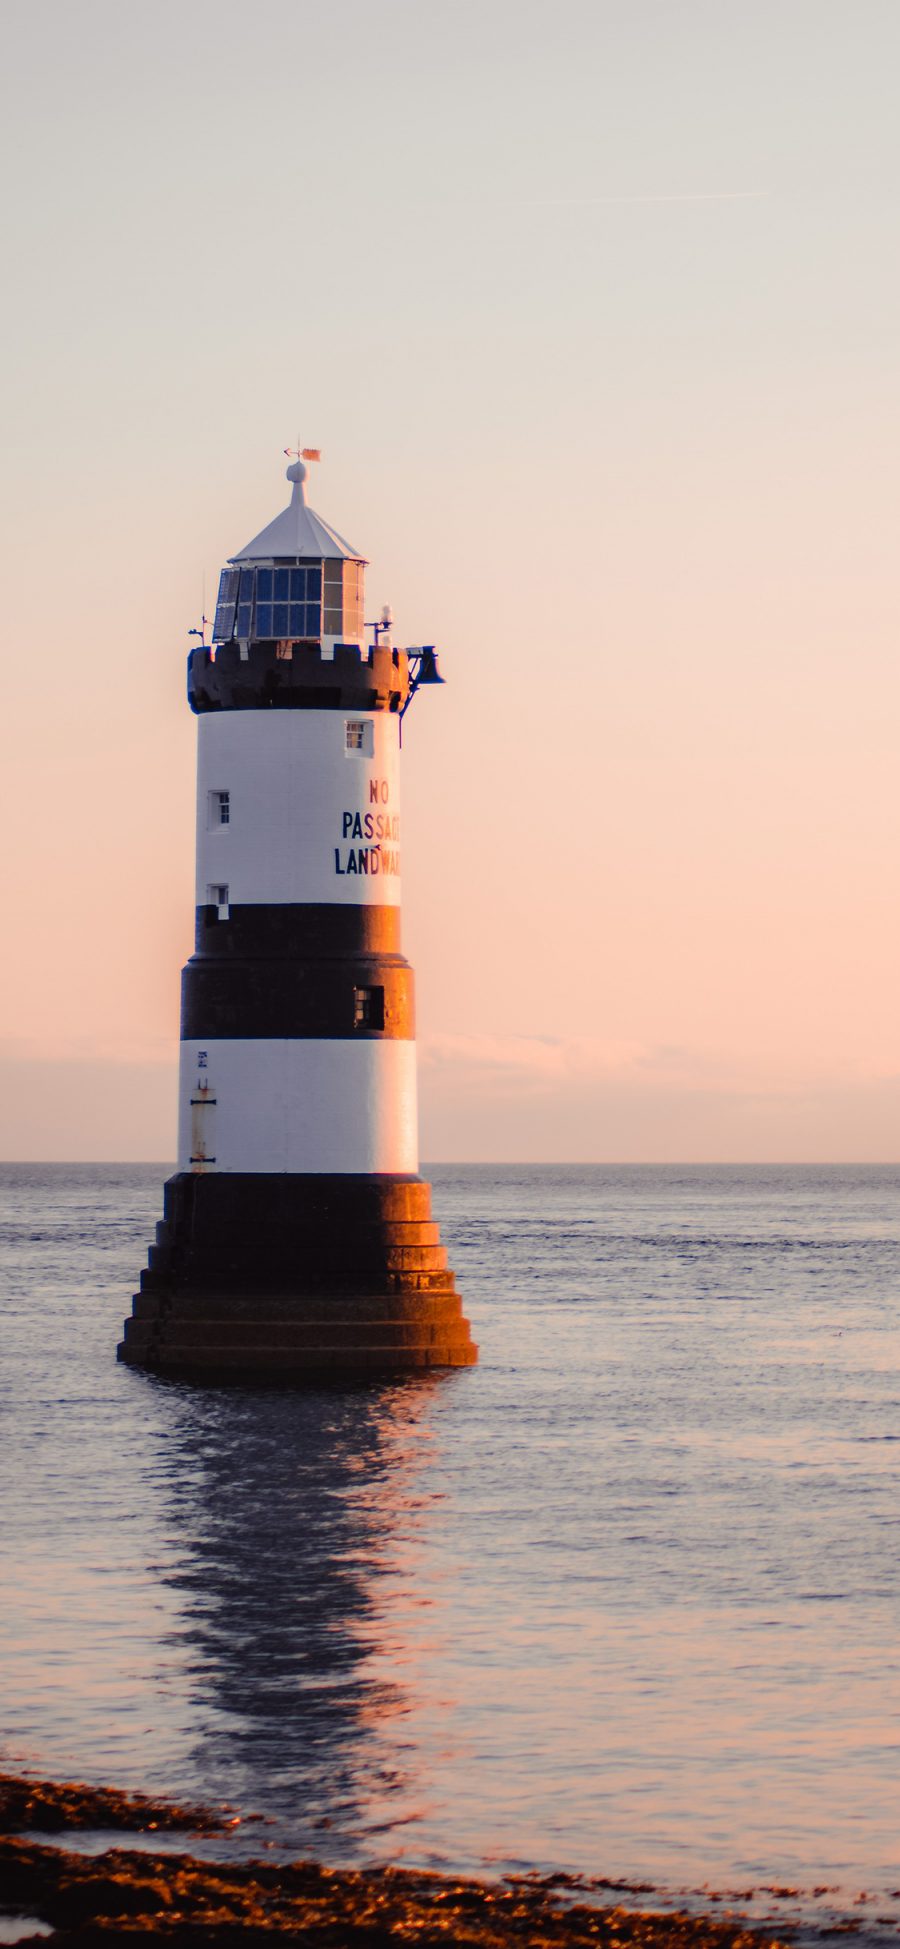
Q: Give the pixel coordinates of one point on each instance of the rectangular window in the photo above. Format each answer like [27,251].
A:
[225,604]
[218,810]
[359,737]
[353,625]
[368,1008]
[342,589]
[217,896]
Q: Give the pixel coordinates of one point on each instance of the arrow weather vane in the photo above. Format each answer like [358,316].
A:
[303,453]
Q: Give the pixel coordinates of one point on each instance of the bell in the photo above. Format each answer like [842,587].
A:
[428,672]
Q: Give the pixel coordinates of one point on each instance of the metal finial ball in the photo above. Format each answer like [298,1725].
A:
[297,470]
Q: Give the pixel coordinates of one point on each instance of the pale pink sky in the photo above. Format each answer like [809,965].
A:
[593,309]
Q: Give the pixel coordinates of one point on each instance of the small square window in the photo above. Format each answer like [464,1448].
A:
[359,737]
[368,1008]
[217,896]
[218,810]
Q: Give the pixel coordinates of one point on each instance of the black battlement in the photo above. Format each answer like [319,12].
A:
[296,676]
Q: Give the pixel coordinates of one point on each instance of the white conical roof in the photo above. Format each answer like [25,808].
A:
[298,532]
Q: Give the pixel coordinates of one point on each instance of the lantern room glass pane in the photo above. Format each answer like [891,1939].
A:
[314,582]
[263,619]
[244,620]
[264,585]
[282,584]
[280,619]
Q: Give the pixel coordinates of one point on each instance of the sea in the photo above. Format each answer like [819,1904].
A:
[621,1603]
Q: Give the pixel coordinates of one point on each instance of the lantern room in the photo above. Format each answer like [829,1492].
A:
[302,602]
[297,581]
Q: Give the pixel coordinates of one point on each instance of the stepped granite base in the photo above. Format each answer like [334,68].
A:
[296,1280]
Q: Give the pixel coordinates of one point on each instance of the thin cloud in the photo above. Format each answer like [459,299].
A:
[566,1067]
[115,1050]
[653,196]
[529,1059]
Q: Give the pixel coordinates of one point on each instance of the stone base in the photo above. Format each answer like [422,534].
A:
[296,1279]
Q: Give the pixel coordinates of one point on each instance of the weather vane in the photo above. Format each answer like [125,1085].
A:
[303,453]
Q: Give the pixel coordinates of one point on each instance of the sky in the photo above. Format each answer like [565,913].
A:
[593,310]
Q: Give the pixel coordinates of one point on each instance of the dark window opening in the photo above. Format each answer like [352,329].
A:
[368,1008]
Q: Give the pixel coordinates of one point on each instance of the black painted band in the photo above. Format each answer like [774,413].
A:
[209,1207]
[303,931]
[266,678]
[356,997]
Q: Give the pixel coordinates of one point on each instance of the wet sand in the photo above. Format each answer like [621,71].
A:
[121,1896]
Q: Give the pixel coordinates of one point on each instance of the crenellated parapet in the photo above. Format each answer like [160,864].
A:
[291,675]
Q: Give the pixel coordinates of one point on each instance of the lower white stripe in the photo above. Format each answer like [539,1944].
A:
[316,1106]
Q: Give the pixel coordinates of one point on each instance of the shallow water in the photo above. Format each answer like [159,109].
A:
[623,1600]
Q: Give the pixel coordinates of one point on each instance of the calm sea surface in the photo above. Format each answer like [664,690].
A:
[623,1600]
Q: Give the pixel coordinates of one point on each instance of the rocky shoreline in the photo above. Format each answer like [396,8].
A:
[118,1897]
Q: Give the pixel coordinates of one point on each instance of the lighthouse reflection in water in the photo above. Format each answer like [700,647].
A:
[305,1507]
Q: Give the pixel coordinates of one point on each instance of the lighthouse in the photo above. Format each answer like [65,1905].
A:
[297,1240]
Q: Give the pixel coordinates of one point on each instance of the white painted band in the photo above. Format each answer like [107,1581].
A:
[312,807]
[303,1106]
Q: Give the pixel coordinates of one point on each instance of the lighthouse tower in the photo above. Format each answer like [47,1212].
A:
[297,1240]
